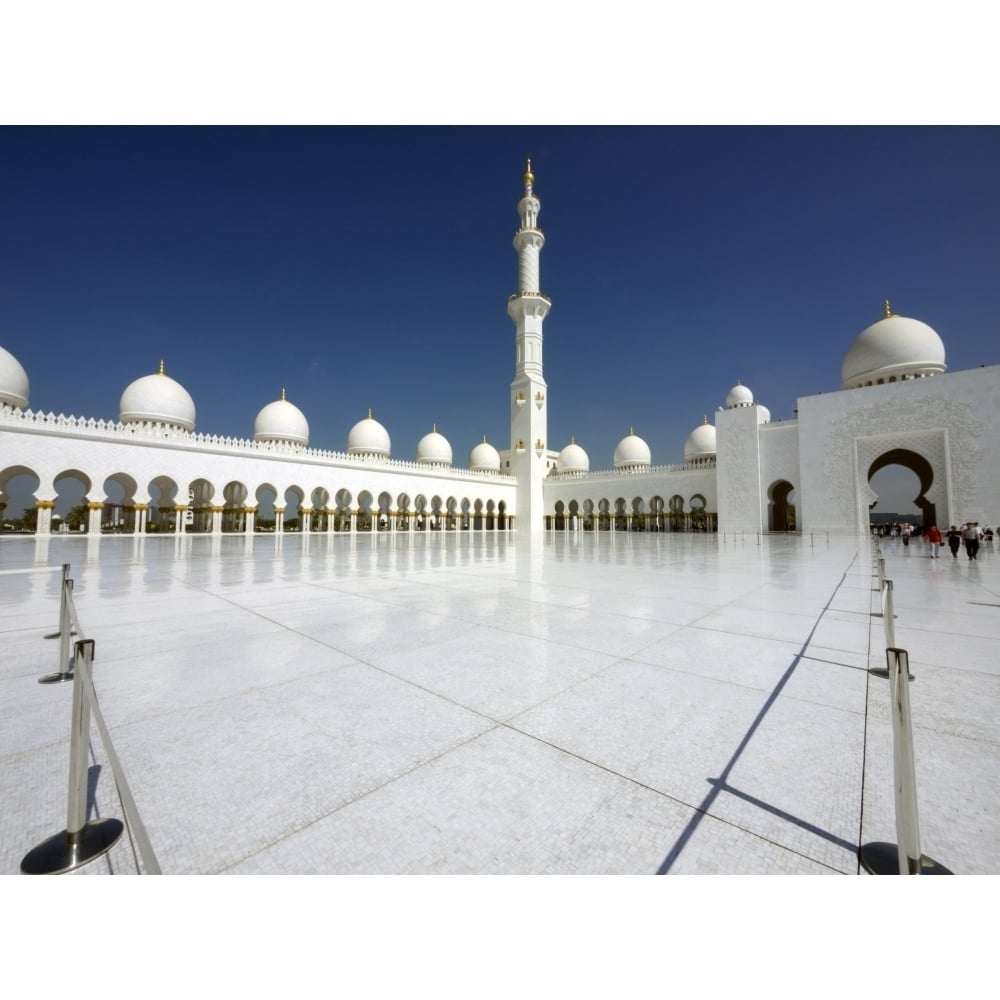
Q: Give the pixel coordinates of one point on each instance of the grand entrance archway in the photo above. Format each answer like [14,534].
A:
[918,465]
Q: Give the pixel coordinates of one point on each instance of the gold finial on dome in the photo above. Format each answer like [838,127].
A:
[886,310]
[572,440]
[283,395]
[162,370]
[706,419]
[631,432]
[369,413]
[434,428]
[484,439]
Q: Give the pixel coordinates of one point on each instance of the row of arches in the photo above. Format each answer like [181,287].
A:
[639,514]
[119,506]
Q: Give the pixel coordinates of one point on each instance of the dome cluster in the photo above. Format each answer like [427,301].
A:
[894,348]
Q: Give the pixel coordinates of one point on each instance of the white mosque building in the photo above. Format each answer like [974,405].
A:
[897,405]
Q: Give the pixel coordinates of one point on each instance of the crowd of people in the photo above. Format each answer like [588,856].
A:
[971,535]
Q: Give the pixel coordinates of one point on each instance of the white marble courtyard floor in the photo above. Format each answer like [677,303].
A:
[471,703]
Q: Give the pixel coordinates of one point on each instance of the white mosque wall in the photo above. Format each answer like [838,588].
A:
[738,459]
[779,462]
[50,445]
[952,421]
[648,491]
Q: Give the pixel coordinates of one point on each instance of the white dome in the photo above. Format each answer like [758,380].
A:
[765,414]
[157,399]
[895,347]
[281,421]
[484,458]
[572,459]
[632,453]
[13,381]
[368,437]
[434,449]
[700,443]
[739,395]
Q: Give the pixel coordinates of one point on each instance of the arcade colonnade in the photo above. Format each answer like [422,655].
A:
[172,483]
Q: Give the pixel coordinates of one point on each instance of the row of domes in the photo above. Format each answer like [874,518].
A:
[894,347]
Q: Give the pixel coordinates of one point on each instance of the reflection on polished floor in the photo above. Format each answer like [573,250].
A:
[489,704]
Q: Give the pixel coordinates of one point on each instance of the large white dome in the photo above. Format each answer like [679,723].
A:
[368,437]
[896,347]
[281,421]
[434,449]
[573,460]
[739,395]
[157,399]
[13,381]
[484,458]
[700,444]
[632,453]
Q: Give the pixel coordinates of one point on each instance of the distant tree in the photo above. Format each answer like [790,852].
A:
[29,519]
[77,517]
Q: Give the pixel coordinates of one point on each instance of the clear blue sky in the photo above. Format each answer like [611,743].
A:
[370,267]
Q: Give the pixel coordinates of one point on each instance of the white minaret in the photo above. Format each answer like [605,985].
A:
[528,403]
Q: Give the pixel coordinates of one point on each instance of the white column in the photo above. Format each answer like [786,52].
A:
[43,523]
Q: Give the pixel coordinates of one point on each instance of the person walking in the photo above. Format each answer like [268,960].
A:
[970,535]
[954,541]
[934,537]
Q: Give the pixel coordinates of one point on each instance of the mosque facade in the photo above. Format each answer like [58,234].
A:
[898,405]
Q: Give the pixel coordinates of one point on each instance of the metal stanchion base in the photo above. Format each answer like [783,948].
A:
[883,859]
[64,852]
[55,678]
[882,672]
[58,635]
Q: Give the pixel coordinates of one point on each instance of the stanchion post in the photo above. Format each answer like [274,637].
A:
[888,617]
[81,841]
[905,857]
[64,633]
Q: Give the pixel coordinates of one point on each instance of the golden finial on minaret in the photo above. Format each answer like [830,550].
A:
[162,370]
[886,310]
[529,177]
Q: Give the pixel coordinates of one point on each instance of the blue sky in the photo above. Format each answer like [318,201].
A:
[370,267]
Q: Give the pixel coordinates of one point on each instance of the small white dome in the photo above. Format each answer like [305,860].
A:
[281,421]
[700,443]
[572,460]
[895,347]
[484,458]
[765,414]
[739,395]
[368,437]
[632,453]
[434,449]
[157,399]
[13,381]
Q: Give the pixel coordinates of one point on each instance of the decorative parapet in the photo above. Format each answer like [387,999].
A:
[154,433]
[653,470]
